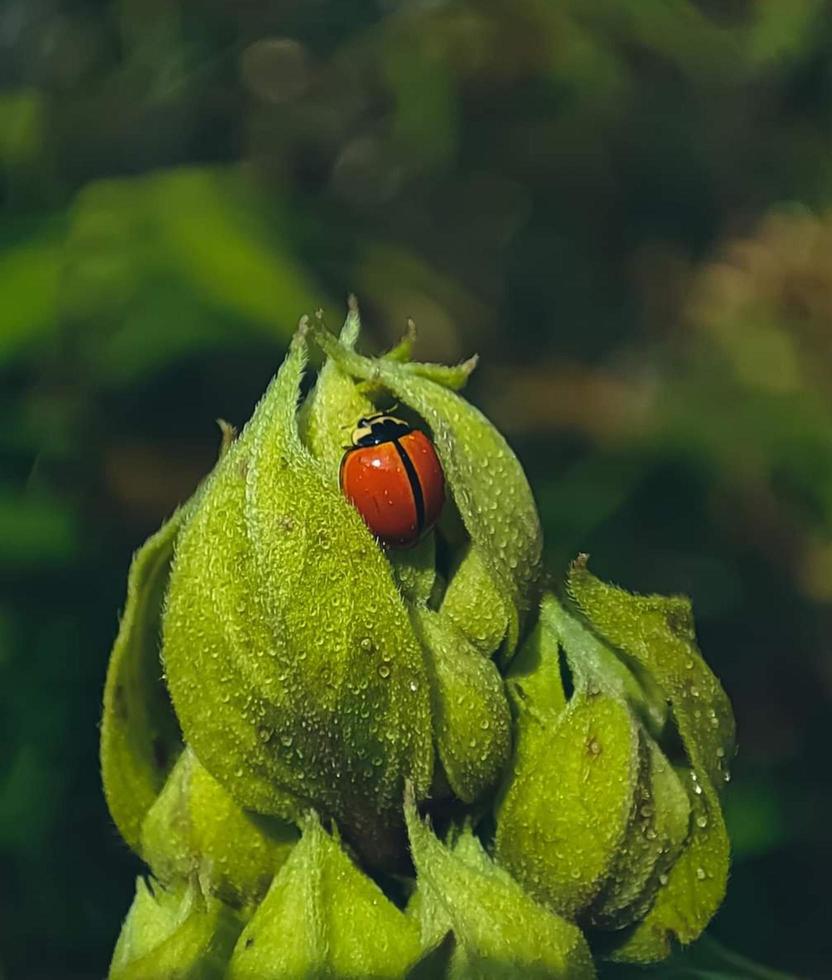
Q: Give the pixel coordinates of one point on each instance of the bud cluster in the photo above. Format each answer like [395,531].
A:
[368,762]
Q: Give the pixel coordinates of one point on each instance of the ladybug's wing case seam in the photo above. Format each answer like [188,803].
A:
[415,485]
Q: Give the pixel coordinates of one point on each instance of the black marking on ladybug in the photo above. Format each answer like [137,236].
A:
[415,485]
[381,428]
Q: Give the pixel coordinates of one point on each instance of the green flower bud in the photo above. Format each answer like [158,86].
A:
[174,934]
[584,762]
[658,634]
[498,930]
[658,856]
[474,604]
[471,718]
[652,816]
[288,651]
[195,828]
[323,917]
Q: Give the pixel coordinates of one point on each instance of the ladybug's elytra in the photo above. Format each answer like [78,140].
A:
[392,476]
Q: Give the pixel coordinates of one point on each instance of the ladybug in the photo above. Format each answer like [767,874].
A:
[392,476]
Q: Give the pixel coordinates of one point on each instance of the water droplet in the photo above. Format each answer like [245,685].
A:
[663,879]
[689,665]
[286,740]
[366,643]
[720,753]
[485,724]
[414,685]
[702,821]
[697,789]
[726,776]
[700,874]
[594,747]
[384,671]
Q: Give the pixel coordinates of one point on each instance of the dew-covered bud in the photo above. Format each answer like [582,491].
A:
[595,820]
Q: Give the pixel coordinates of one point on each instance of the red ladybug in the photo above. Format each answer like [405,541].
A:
[392,476]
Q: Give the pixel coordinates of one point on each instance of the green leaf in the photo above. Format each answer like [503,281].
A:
[23,115]
[487,482]
[36,529]
[567,772]
[213,231]
[657,633]
[139,734]
[500,931]
[324,918]
[174,934]
[290,658]
[471,719]
[195,828]
[30,275]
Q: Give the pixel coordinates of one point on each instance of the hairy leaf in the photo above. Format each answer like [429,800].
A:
[139,734]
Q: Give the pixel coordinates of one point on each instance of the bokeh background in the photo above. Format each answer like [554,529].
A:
[625,206]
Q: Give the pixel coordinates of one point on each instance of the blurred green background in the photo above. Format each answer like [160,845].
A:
[625,206]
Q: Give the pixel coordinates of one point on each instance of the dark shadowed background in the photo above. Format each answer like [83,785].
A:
[622,205]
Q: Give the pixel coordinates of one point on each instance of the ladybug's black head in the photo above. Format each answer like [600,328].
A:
[375,429]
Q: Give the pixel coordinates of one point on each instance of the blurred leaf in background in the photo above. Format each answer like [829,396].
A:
[623,206]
